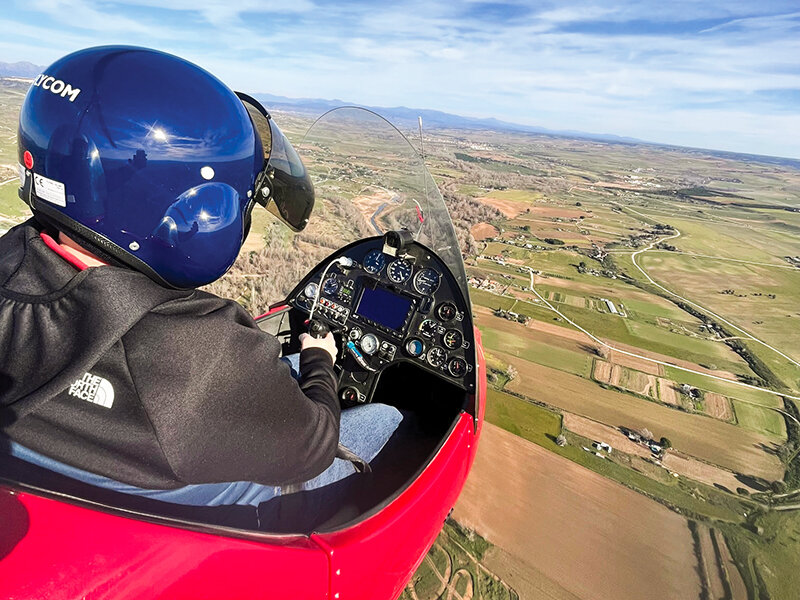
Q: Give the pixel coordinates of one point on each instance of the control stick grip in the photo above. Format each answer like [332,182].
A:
[317,329]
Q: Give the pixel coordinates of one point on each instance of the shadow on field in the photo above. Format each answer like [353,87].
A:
[754,482]
[769,449]
[589,349]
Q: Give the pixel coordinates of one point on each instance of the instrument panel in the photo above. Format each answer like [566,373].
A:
[388,306]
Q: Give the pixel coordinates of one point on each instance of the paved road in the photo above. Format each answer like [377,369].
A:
[746,334]
[660,362]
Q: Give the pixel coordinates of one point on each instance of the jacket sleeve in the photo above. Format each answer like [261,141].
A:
[222,404]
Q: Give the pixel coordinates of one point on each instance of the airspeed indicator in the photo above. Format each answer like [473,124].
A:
[374,262]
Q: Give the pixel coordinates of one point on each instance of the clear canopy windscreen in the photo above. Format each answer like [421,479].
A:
[369,179]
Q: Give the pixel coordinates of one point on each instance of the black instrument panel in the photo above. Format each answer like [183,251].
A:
[389,308]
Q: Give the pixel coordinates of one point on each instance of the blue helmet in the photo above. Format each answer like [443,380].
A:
[150,160]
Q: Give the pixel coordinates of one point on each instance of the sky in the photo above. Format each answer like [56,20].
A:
[708,74]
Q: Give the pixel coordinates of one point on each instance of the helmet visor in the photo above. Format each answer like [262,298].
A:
[284,185]
[292,191]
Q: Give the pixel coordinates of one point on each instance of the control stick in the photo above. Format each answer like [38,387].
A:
[317,329]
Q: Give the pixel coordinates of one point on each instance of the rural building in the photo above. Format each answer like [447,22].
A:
[602,446]
[611,308]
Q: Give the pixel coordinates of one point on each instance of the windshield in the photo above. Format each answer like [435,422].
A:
[369,179]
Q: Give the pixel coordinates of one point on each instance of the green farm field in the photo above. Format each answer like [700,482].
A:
[11,96]
[763,301]
[708,439]
[731,217]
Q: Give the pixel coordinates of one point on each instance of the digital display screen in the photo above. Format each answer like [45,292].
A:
[384,307]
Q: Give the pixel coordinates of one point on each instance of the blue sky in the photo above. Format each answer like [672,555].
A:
[722,75]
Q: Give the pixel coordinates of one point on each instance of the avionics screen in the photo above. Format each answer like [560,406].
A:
[384,307]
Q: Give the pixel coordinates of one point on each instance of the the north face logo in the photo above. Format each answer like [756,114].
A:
[93,389]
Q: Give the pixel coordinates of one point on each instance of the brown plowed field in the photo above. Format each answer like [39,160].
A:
[523,577]
[603,371]
[572,334]
[667,392]
[718,406]
[711,440]
[629,379]
[592,536]
[645,366]
[711,564]
[683,465]
[641,383]
[509,208]
[675,361]
[738,588]
[481,231]
[603,433]
[702,472]
[485,319]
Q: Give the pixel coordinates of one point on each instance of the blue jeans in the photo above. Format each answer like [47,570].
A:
[364,430]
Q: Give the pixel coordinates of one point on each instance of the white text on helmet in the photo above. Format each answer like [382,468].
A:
[57,86]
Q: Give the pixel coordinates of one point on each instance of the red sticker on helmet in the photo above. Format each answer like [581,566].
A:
[28,159]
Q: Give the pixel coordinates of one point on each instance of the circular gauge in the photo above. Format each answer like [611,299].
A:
[399,271]
[428,327]
[415,347]
[374,262]
[446,311]
[436,356]
[369,344]
[311,290]
[331,285]
[452,339]
[426,281]
[355,333]
[457,367]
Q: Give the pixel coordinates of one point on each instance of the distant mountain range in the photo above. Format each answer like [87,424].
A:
[435,119]
[432,119]
[20,69]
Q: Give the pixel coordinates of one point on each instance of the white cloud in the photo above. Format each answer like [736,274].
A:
[559,67]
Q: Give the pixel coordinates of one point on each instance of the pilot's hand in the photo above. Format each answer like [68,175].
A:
[327,343]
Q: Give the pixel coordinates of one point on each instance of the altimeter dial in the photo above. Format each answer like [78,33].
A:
[400,270]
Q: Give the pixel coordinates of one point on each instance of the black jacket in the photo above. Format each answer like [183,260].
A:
[199,394]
